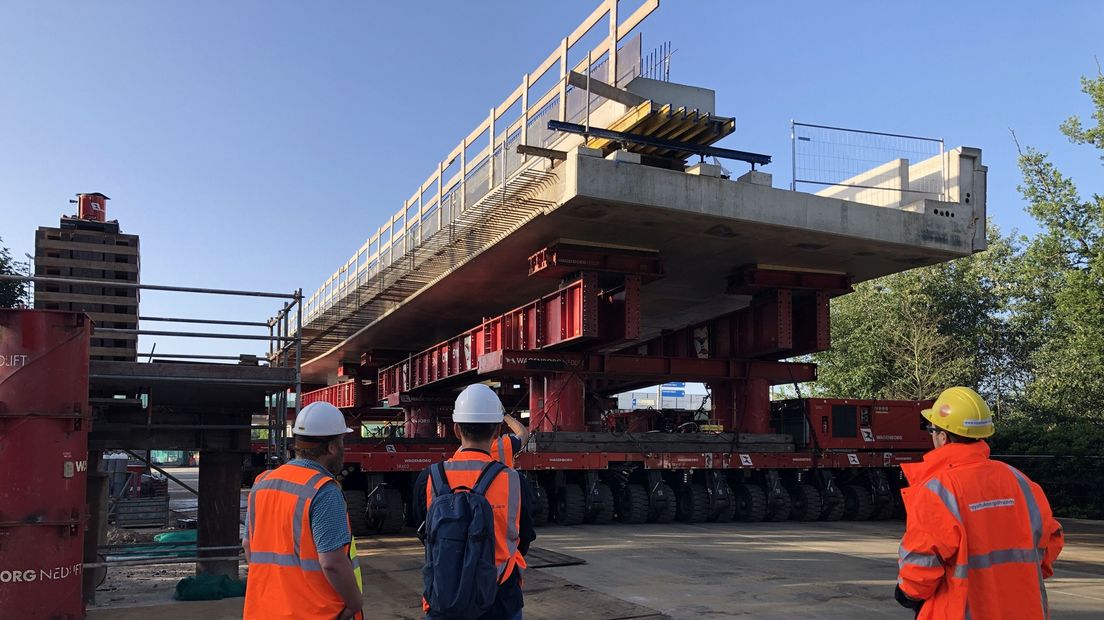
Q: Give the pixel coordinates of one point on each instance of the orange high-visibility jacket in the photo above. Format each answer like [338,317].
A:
[980,537]
[504,496]
[285,575]
[503,450]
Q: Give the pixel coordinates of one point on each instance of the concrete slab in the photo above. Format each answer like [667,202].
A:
[704,227]
[842,570]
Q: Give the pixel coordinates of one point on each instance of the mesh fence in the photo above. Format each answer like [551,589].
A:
[867,166]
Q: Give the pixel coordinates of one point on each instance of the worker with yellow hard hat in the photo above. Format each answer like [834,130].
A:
[980,537]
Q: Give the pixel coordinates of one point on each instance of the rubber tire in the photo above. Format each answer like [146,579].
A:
[725,512]
[633,507]
[570,505]
[392,520]
[858,505]
[667,508]
[830,511]
[693,503]
[805,502]
[779,510]
[885,511]
[751,502]
[604,499]
[357,503]
[540,506]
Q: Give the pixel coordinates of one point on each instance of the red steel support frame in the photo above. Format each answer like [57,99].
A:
[560,344]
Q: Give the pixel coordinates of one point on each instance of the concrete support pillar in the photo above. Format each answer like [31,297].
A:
[96,528]
[421,422]
[219,510]
[556,403]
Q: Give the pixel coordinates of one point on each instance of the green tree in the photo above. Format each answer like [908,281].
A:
[1059,296]
[911,334]
[12,294]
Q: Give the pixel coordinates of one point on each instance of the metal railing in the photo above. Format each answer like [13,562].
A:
[869,167]
[486,158]
[284,342]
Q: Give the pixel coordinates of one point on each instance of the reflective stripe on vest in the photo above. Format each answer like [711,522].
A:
[1036,517]
[304,493]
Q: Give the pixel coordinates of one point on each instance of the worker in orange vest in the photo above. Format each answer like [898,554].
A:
[980,537]
[477,418]
[298,540]
[507,446]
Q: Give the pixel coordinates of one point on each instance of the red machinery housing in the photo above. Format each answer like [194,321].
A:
[44,423]
[563,357]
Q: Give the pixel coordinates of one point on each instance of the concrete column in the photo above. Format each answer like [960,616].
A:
[219,509]
[96,528]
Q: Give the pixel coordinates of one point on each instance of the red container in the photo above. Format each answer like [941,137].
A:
[44,459]
[92,207]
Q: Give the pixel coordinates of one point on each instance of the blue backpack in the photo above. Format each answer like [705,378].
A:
[460,576]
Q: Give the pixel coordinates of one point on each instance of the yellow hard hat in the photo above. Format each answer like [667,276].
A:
[961,411]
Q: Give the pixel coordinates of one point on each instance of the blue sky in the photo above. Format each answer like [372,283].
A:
[254,145]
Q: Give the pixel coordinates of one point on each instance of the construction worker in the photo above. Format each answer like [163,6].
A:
[980,537]
[507,446]
[298,540]
[477,418]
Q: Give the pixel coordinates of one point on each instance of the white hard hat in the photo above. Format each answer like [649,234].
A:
[320,419]
[479,404]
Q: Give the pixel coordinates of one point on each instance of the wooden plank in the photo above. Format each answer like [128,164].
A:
[603,89]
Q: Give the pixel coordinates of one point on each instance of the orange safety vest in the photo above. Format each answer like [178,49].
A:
[503,451]
[285,575]
[504,496]
[980,537]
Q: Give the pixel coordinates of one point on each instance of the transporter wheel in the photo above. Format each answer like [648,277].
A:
[724,505]
[884,510]
[858,505]
[357,502]
[540,505]
[570,505]
[693,503]
[664,504]
[779,509]
[832,504]
[390,518]
[601,505]
[805,503]
[751,502]
[633,505]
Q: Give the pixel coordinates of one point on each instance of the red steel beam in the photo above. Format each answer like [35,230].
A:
[563,259]
[658,368]
[566,315]
[344,395]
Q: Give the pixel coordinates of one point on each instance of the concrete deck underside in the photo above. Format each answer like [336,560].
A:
[704,227]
